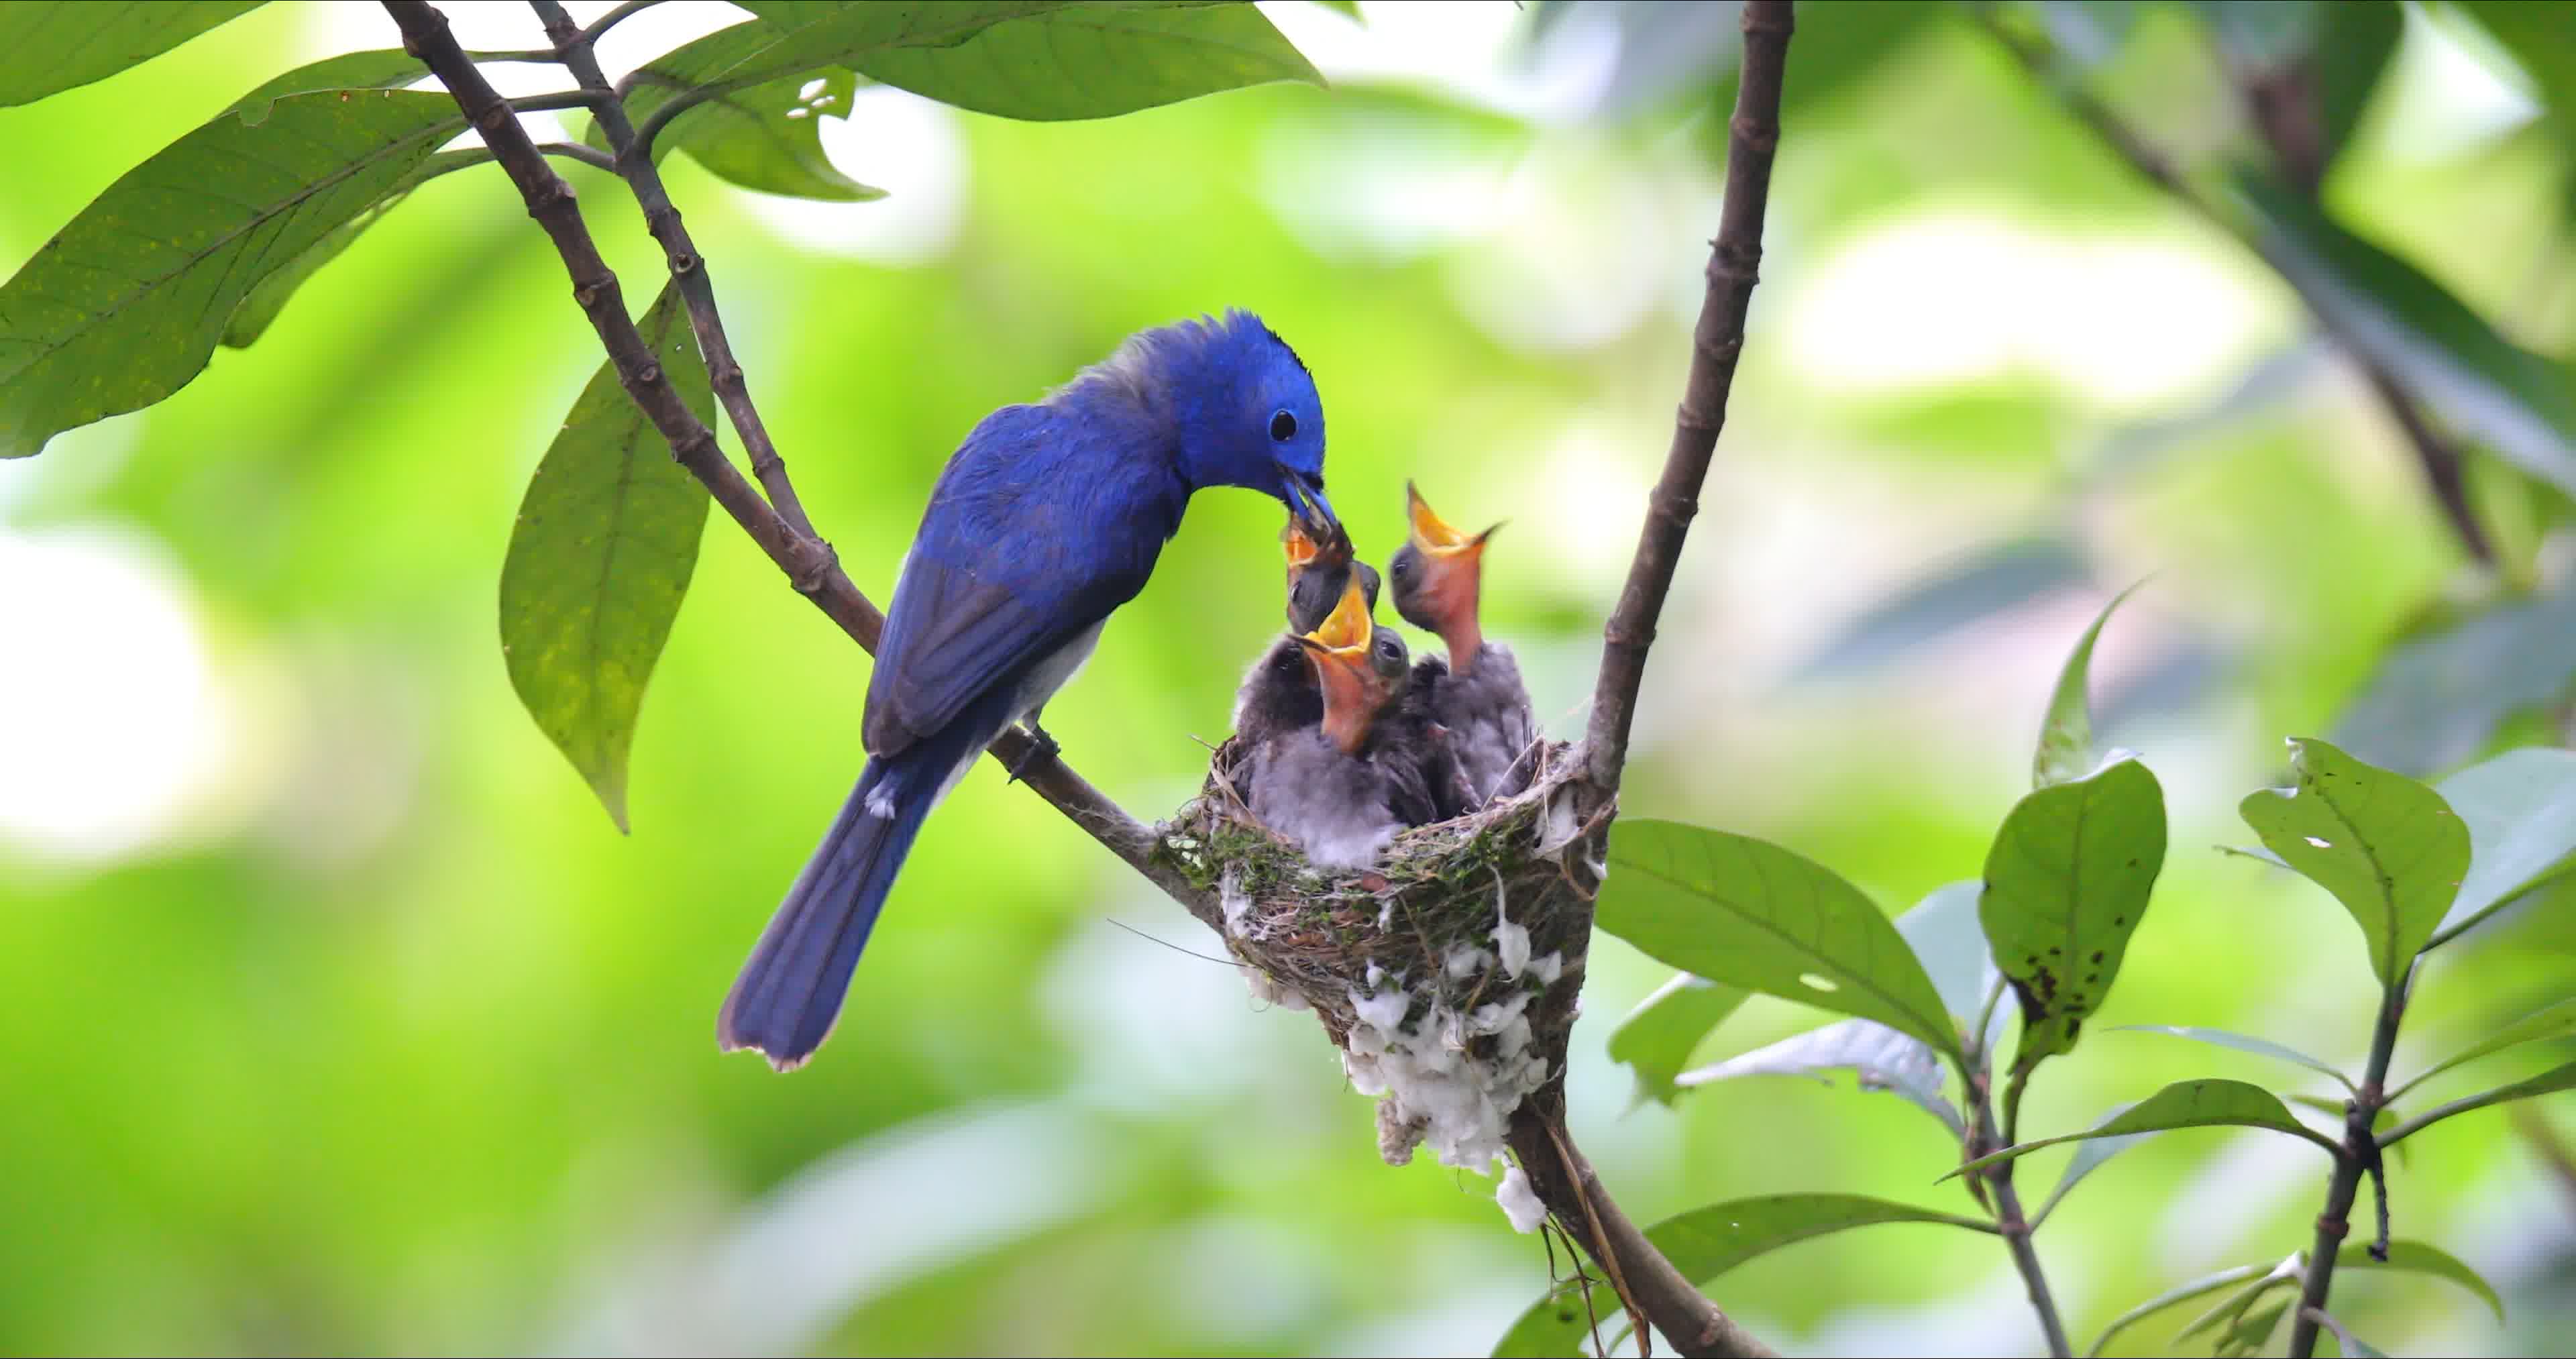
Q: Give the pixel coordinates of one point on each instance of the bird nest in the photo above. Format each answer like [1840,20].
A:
[1446,973]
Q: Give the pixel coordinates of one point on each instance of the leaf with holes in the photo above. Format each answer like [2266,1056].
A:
[123,306]
[1879,1056]
[1748,913]
[46,48]
[2387,847]
[2067,882]
[2551,1021]
[1657,1037]
[2184,1104]
[2260,1047]
[767,137]
[1707,1242]
[599,561]
[2520,808]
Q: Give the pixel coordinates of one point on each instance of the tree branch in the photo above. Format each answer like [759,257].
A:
[1734,266]
[550,202]
[2359,1154]
[2290,130]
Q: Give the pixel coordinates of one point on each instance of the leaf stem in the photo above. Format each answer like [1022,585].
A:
[589,37]
[2358,1155]
[2009,1219]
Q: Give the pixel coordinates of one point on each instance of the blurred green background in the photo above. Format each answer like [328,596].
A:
[338,1018]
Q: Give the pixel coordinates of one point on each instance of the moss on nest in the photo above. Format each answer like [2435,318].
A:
[1431,925]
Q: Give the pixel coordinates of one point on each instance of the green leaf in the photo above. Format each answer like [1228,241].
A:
[261,307]
[2355,39]
[1748,913]
[1954,596]
[2184,1104]
[2352,1345]
[2520,808]
[383,69]
[769,137]
[2551,1021]
[2389,848]
[1947,939]
[2260,1047]
[1039,61]
[2066,736]
[56,46]
[1707,1242]
[1656,1039]
[2417,1257]
[2067,882]
[2087,1159]
[2179,1294]
[2248,1332]
[2548,1082]
[600,558]
[2543,43]
[2481,383]
[2233,1308]
[123,306]
[1879,1056]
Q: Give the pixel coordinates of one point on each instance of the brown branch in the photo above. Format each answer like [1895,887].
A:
[2282,106]
[2359,1155]
[1734,266]
[595,288]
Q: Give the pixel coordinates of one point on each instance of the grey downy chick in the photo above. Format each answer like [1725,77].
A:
[1280,693]
[1343,787]
[1476,693]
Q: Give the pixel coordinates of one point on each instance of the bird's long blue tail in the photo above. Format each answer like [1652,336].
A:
[791,989]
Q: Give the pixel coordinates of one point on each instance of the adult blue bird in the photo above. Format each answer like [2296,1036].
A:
[1047,518]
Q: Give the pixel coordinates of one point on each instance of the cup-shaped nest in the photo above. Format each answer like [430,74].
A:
[1446,973]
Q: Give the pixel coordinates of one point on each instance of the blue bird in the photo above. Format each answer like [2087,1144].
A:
[1047,518]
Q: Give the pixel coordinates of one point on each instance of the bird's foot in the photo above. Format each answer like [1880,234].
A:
[1042,748]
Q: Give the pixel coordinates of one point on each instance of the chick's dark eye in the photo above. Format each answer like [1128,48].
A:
[1283,427]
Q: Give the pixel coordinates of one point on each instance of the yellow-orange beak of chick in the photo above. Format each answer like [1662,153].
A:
[1293,541]
[1339,648]
[1445,598]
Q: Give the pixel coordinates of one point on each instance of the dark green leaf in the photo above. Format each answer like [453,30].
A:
[2551,1021]
[2248,1332]
[2438,697]
[2416,1257]
[260,308]
[1748,913]
[2184,1104]
[383,69]
[1706,1242]
[2544,44]
[57,45]
[1656,1039]
[2066,735]
[123,306]
[2089,1158]
[2233,1308]
[2355,39]
[1970,590]
[2067,882]
[2260,1047]
[1879,1056]
[2548,1082]
[600,559]
[2481,383]
[2389,848]
[1947,939]
[2520,808]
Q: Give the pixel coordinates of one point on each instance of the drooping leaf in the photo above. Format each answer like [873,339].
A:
[1748,913]
[1947,939]
[2260,1047]
[2549,1082]
[2087,1159]
[2066,735]
[2175,1296]
[124,305]
[2184,1104]
[1952,597]
[2481,383]
[1879,1056]
[1706,1242]
[2387,847]
[1657,1037]
[48,46]
[2436,698]
[2520,808]
[2550,1021]
[383,69]
[2417,1257]
[600,558]
[2067,882]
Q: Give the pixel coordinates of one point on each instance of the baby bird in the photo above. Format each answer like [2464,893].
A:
[1477,692]
[1343,787]
[1280,693]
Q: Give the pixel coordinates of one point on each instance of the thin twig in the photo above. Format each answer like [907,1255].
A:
[662,218]
[591,156]
[1734,266]
[2359,1153]
[550,201]
[2439,460]
[2010,1221]
[1610,1262]
[589,37]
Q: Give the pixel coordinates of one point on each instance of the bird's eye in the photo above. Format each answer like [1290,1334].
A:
[1283,427]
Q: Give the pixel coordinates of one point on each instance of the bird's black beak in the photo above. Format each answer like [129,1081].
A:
[1305,499]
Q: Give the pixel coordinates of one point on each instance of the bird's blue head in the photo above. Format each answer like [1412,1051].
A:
[1248,413]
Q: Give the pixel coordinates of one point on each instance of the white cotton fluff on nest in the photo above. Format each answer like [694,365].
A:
[1435,1092]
